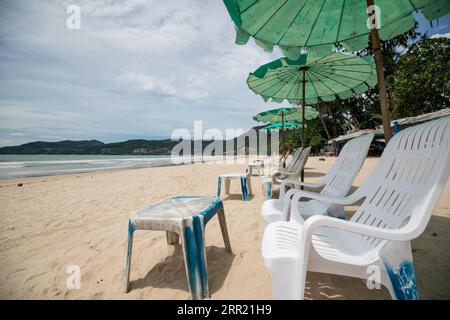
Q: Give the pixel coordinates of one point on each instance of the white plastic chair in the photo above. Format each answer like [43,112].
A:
[399,197]
[295,167]
[273,164]
[277,166]
[337,182]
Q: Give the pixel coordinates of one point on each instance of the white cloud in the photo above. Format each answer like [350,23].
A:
[195,87]
[135,68]
[441,35]
[110,8]
[148,83]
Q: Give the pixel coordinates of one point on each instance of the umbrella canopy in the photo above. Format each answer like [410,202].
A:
[308,79]
[319,24]
[279,125]
[284,117]
[323,78]
[276,116]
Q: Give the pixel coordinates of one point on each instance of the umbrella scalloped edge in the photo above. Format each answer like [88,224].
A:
[433,11]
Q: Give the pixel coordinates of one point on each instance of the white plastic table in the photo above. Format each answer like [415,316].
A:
[266,183]
[184,216]
[257,164]
[246,184]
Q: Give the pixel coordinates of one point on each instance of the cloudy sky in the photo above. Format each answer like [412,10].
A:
[135,69]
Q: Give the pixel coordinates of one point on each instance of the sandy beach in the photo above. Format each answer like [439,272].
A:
[50,223]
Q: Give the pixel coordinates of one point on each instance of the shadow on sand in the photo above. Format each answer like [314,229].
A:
[431,256]
[236,197]
[170,273]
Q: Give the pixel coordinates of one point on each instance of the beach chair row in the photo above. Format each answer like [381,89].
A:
[308,231]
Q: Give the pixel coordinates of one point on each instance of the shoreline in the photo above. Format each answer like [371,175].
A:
[75,171]
[88,172]
[31,179]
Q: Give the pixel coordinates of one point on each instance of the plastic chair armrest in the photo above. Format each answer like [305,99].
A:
[297,183]
[294,195]
[314,222]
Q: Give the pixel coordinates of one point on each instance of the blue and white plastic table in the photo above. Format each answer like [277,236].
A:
[184,216]
[266,183]
[244,178]
[256,164]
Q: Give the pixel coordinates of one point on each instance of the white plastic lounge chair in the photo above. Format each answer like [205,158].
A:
[273,165]
[399,197]
[337,182]
[273,170]
[290,165]
[295,167]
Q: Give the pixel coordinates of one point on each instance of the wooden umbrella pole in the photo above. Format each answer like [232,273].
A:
[384,103]
[323,123]
[302,176]
[303,108]
[282,136]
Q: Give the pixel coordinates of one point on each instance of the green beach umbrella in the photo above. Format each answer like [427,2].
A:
[319,24]
[308,79]
[301,81]
[279,125]
[286,114]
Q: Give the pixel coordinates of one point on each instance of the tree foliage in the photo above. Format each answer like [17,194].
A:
[416,70]
[420,83]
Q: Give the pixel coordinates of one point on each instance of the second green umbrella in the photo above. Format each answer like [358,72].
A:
[286,114]
[282,126]
[309,79]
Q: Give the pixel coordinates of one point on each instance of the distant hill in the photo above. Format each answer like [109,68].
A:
[130,147]
[60,147]
[137,147]
[154,147]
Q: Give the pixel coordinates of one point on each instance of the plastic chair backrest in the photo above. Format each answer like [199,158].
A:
[301,161]
[340,177]
[404,187]
[294,159]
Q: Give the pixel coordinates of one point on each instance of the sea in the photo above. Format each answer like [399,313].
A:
[23,166]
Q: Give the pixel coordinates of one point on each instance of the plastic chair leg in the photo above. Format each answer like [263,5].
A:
[219,186]
[128,256]
[227,186]
[172,238]
[244,189]
[249,185]
[223,228]
[397,259]
[190,252]
[285,276]
[199,235]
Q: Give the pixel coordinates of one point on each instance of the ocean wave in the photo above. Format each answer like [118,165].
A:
[56,171]
[11,166]
[35,168]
